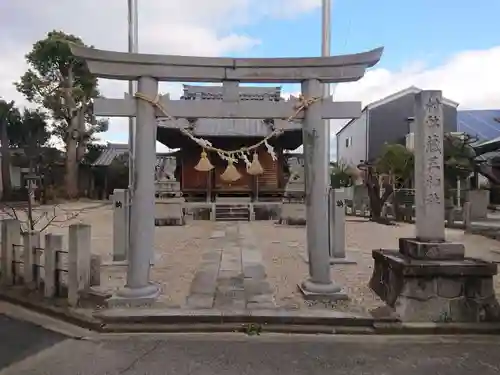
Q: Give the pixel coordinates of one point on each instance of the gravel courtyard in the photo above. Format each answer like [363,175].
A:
[181,252]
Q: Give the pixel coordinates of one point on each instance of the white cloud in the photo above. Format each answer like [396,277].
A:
[471,78]
[189,27]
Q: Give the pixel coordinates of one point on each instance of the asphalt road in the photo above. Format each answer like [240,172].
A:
[20,339]
[236,354]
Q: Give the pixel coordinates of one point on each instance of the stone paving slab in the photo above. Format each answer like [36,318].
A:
[232,276]
[204,284]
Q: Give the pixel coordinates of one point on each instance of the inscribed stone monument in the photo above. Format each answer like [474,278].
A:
[430,279]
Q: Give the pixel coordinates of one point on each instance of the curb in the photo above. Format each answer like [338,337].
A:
[125,321]
[213,316]
[64,314]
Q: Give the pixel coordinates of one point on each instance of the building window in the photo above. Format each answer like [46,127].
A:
[348,142]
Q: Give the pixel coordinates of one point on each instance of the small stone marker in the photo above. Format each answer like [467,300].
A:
[120,225]
[337,228]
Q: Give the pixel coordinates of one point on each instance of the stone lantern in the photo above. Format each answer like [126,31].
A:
[32,183]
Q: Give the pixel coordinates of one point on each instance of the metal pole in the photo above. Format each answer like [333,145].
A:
[326,12]
[133,42]
[325,51]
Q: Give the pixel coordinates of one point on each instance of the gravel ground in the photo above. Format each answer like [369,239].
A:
[283,247]
[179,250]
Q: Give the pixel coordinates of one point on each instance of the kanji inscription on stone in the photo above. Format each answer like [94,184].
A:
[433,104]
[429,178]
[432,198]
[433,121]
[434,143]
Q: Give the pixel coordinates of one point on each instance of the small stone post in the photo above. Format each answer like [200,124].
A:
[466,212]
[317,186]
[37,263]
[213,212]
[95,270]
[11,236]
[31,244]
[139,290]
[120,224]
[79,261]
[53,244]
[337,228]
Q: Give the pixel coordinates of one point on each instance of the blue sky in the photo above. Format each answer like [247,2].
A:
[419,32]
[411,31]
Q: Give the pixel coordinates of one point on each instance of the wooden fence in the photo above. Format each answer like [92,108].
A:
[49,268]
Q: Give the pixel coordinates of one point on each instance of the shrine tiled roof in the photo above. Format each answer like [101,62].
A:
[117,150]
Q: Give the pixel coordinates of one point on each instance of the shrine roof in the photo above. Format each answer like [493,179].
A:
[230,127]
[116,150]
[204,127]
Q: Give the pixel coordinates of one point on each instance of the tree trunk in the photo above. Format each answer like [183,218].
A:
[71,164]
[377,201]
[82,140]
[6,181]
[375,204]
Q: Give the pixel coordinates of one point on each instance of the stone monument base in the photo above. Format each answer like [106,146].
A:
[170,212]
[425,250]
[293,213]
[437,290]
[170,222]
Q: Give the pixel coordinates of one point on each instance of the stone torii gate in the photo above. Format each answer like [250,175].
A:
[311,72]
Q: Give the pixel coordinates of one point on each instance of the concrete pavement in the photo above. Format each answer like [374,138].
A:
[271,354]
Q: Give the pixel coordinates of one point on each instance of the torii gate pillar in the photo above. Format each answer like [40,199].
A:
[319,285]
[138,290]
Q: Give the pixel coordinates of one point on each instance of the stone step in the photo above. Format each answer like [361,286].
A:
[231,207]
[232,212]
[231,219]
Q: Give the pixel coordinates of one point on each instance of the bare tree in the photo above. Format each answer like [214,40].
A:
[41,218]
